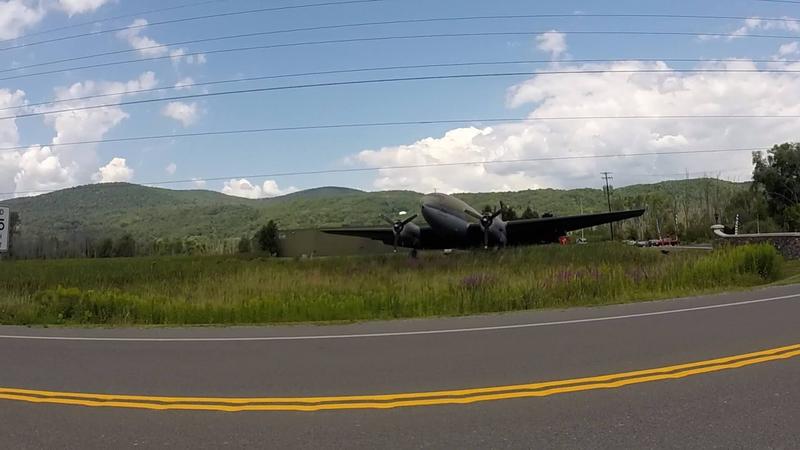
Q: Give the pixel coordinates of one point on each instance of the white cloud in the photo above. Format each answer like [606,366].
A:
[196,59]
[751,24]
[40,169]
[270,189]
[32,169]
[9,167]
[176,55]
[46,167]
[198,183]
[552,42]
[788,48]
[184,83]
[244,188]
[151,48]
[146,46]
[91,124]
[171,168]
[607,94]
[185,113]
[116,170]
[241,188]
[9,137]
[16,16]
[179,54]
[73,7]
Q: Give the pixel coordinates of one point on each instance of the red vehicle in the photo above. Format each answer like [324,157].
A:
[663,242]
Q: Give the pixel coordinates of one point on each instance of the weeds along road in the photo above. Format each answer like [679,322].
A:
[716,371]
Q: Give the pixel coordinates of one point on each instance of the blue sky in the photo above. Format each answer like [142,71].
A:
[39,167]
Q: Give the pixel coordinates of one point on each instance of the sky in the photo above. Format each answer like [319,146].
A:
[34,127]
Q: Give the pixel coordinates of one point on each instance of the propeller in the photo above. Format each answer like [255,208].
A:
[397,227]
[486,221]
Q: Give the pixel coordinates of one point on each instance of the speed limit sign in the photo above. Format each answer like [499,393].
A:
[5,225]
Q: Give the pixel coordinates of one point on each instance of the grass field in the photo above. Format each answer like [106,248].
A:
[238,290]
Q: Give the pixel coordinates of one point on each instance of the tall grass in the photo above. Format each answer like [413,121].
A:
[229,290]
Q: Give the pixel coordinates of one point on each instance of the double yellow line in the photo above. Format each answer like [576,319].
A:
[386,401]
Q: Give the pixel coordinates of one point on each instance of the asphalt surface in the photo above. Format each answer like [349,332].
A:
[757,406]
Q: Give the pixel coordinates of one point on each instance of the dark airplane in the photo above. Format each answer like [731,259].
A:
[454,224]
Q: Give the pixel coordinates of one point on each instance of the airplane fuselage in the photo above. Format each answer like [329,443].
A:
[446,215]
[451,217]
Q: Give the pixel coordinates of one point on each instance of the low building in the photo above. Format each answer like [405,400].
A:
[311,243]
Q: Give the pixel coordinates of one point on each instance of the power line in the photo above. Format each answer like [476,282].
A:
[110,19]
[262,33]
[188,19]
[379,23]
[393,124]
[420,66]
[351,83]
[260,10]
[246,35]
[258,90]
[318,85]
[252,48]
[418,166]
[379,39]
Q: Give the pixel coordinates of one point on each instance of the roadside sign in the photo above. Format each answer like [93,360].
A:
[5,225]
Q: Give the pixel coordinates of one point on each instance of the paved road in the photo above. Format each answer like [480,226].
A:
[755,406]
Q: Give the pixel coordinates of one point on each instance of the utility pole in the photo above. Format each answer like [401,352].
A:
[642,223]
[607,176]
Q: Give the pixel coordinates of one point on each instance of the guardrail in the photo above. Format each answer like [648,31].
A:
[718,230]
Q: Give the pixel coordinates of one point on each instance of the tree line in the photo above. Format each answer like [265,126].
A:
[265,241]
[769,203]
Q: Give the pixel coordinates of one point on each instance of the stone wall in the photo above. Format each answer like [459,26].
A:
[788,246]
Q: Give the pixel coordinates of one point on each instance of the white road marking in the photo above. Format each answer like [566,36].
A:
[401,333]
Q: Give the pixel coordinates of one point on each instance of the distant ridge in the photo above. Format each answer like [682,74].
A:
[148,213]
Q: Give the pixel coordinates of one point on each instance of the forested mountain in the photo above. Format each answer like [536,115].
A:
[79,216]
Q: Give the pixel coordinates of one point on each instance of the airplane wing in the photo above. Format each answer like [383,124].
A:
[548,229]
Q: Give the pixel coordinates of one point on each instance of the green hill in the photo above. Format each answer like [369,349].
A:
[96,211]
